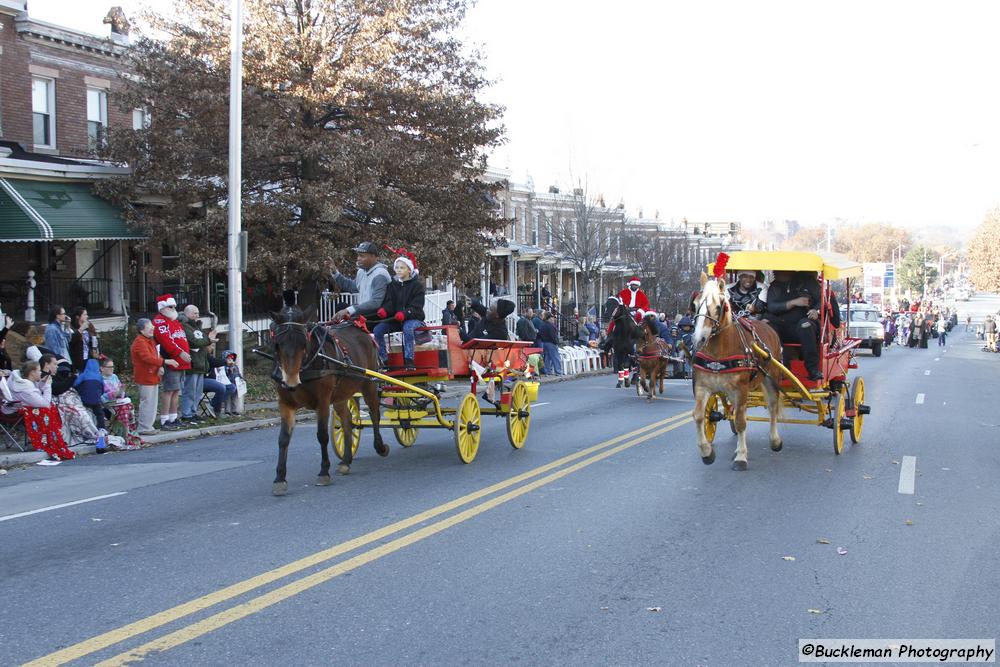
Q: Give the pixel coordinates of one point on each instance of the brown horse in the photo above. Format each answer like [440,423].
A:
[652,357]
[725,364]
[314,371]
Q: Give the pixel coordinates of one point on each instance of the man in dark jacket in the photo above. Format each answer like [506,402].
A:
[525,330]
[194,379]
[548,336]
[492,323]
[792,309]
[448,314]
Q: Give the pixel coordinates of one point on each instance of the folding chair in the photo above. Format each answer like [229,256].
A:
[204,408]
[12,420]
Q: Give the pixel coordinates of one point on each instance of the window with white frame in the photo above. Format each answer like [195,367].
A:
[534,234]
[141,119]
[43,105]
[513,226]
[97,115]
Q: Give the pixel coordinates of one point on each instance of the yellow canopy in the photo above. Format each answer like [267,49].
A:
[833,266]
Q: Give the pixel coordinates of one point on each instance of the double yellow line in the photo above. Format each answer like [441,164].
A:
[185,634]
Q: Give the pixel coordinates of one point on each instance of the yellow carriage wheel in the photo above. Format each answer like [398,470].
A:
[467,428]
[838,414]
[858,394]
[519,415]
[405,435]
[713,405]
[338,431]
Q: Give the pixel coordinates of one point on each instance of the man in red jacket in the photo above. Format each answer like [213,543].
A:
[169,333]
[634,298]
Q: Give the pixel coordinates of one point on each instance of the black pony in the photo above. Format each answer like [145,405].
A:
[622,339]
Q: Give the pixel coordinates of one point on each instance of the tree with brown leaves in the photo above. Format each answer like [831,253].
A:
[984,254]
[361,121]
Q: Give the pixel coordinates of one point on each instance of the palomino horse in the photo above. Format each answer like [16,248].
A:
[313,372]
[725,363]
[622,339]
[652,357]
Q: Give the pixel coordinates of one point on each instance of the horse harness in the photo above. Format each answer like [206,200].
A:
[343,366]
[746,362]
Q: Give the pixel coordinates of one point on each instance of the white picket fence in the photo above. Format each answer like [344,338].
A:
[434,303]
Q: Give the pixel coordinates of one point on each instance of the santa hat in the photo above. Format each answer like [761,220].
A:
[634,279]
[405,256]
[165,301]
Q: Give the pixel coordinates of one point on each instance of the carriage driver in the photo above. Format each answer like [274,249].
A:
[792,309]
[370,282]
[744,294]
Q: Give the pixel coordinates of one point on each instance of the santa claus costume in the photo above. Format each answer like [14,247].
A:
[169,333]
[633,297]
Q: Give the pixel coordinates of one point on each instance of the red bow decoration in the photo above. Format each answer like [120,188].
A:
[403,252]
[720,265]
[400,316]
[381,313]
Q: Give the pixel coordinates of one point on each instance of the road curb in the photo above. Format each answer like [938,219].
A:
[28,458]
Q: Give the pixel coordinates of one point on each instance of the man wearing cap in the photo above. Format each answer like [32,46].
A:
[369,283]
[169,334]
[634,298]
[744,294]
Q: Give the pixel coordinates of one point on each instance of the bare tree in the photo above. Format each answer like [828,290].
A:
[586,237]
[664,263]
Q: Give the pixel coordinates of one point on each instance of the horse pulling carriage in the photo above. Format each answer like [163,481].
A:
[740,363]
[318,365]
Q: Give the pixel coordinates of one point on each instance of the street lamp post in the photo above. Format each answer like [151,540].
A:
[235,185]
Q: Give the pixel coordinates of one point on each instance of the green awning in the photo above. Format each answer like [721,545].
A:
[48,211]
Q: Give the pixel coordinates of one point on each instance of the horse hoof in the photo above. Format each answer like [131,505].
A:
[382,451]
[279,488]
[619,385]
[343,469]
[740,465]
[776,446]
[710,459]
[323,480]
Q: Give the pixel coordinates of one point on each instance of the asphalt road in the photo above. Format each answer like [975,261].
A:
[605,541]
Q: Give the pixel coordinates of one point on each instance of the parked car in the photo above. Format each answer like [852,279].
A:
[866,324]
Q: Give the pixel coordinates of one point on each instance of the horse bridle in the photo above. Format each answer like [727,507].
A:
[717,323]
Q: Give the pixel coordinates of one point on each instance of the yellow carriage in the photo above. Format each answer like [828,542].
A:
[831,401]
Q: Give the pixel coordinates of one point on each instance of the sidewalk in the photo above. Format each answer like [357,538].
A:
[455,388]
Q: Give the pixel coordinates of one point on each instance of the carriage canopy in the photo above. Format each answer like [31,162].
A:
[832,265]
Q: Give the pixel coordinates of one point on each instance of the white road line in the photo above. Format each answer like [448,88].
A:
[920,399]
[927,372]
[907,474]
[937,358]
[535,405]
[56,507]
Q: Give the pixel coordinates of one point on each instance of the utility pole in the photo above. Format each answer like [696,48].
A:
[236,251]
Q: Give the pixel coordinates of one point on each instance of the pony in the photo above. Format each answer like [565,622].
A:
[316,368]
[726,363]
[652,357]
[621,339]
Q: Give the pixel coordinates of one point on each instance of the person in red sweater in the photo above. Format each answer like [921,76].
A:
[149,368]
[169,333]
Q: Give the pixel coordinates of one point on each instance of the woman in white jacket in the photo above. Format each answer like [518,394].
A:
[33,389]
